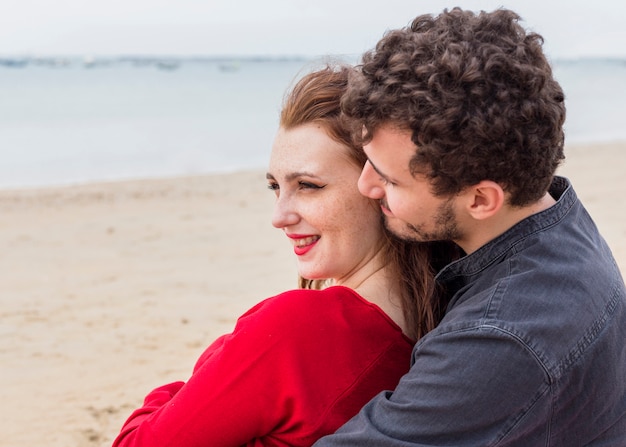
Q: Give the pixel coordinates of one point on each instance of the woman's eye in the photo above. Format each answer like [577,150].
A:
[308,185]
[273,186]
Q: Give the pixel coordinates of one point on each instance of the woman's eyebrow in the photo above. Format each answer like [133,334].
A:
[292,175]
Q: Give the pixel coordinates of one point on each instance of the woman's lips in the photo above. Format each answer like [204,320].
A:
[302,243]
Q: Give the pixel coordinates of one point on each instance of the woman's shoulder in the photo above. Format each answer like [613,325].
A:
[301,311]
[306,300]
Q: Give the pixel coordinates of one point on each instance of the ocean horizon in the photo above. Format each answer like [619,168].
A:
[79,120]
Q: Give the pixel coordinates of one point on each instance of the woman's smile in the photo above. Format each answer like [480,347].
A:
[303,243]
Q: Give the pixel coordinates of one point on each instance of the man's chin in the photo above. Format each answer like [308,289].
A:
[400,230]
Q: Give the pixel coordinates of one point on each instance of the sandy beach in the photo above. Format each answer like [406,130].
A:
[109,290]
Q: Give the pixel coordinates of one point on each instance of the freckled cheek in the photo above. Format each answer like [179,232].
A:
[354,205]
[364,217]
[347,214]
[320,216]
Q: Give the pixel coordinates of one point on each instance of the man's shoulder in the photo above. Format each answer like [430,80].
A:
[554,307]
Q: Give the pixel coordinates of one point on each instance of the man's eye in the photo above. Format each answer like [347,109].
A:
[273,186]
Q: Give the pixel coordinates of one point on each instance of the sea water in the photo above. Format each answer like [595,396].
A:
[76,121]
[595,94]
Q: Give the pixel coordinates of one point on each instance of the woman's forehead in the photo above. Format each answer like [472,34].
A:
[309,148]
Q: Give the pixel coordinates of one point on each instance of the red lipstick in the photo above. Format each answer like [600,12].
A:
[303,243]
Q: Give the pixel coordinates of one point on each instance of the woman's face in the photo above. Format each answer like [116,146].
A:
[334,230]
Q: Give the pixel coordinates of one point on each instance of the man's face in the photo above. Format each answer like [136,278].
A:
[411,210]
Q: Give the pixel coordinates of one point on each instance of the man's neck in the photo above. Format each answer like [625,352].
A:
[485,231]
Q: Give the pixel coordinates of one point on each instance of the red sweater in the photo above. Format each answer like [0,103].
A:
[296,367]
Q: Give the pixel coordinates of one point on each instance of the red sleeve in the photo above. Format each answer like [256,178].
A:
[295,367]
[232,397]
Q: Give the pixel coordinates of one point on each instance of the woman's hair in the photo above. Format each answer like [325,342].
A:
[316,98]
[478,96]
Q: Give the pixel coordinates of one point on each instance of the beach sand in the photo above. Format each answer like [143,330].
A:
[109,290]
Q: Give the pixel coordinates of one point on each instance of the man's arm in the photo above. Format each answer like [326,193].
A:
[468,387]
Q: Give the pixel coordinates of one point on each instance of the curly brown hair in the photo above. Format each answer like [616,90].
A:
[316,98]
[478,96]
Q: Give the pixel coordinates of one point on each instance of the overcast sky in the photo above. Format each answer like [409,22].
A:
[572,28]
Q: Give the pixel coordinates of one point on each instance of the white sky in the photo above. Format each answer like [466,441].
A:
[571,28]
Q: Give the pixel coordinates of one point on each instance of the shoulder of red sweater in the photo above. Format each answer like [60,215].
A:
[294,306]
[334,296]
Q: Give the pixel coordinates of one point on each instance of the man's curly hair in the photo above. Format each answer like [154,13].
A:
[478,96]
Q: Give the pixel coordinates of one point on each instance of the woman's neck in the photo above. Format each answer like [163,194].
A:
[374,284]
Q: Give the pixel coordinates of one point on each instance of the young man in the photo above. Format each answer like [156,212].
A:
[462,126]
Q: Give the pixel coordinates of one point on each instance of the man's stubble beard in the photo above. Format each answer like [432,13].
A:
[445,227]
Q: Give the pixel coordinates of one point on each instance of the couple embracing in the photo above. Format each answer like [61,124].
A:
[454,291]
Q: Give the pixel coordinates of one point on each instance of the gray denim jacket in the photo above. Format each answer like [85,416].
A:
[531,352]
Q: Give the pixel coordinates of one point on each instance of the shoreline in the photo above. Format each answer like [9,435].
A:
[28,187]
[109,289]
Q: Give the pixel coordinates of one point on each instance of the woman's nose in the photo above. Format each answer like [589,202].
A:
[285,213]
[369,183]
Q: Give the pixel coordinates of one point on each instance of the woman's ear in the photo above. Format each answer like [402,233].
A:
[484,200]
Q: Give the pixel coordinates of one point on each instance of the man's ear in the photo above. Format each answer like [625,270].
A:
[484,199]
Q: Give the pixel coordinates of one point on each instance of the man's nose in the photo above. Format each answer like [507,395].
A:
[369,183]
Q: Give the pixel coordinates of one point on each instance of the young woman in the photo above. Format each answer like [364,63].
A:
[300,364]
